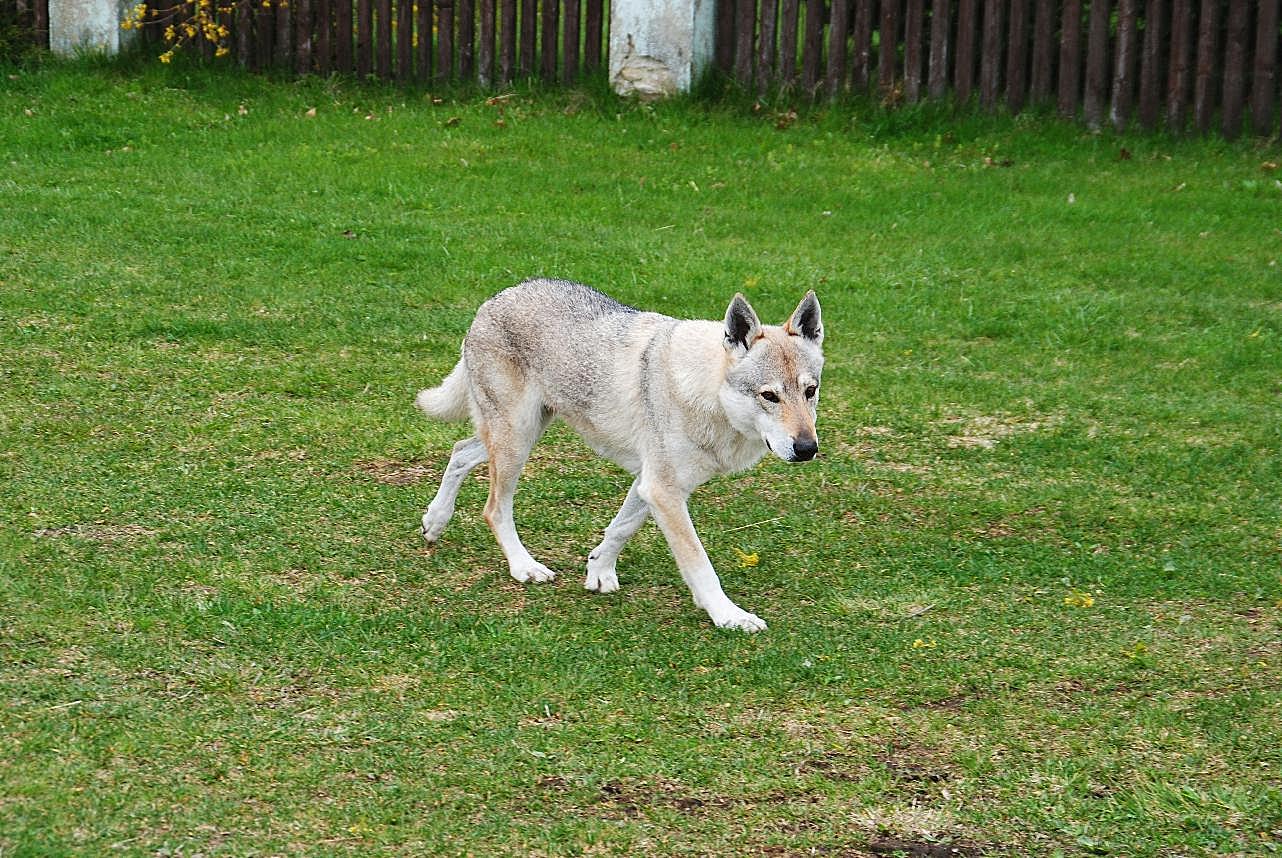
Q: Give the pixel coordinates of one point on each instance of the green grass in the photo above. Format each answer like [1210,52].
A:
[1027,601]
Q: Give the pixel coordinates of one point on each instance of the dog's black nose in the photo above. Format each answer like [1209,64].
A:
[804,449]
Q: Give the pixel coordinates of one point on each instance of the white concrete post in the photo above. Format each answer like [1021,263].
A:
[88,25]
[659,47]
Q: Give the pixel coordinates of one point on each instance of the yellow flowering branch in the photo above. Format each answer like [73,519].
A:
[184,23]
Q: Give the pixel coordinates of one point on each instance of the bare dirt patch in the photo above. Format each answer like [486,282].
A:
[920,849]
[631,799]
[390,472]
[99,531]
[834,766]
[987,431]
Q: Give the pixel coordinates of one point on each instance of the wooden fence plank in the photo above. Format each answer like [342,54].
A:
[887,44]
[465,44]
[914,47]
[343,36]
[991,53]
[548,37]
[940,34]
[1263,87]
[404,40]
[1096,64]
[1017,56]
[41,24]
[244,34]
[507,41]
[1119,111]
[1180,77]
[887,53]
[527,59]
[837,32]
[324,36]
[1204,82]
[303,36]
[485,46]
[570,47]
[423,51]
[766,45]
[1150,62]
[861,52]
[788,44]
[593,36]
[1235,46]
[444,39]
[264,34]
[812,50]
[964,76]
[382,38]
[284,37]
[242,31]
[723,38]
[745,13]
[1043,60]
[1070,59]
[364,37]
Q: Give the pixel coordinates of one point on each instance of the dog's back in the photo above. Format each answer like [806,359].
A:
[555,332]
[575,350]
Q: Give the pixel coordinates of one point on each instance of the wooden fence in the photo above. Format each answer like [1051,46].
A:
[492,42]
[1180,64]
[1155,62]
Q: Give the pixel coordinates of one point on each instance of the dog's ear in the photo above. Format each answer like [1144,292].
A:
[742,325]
[805,320]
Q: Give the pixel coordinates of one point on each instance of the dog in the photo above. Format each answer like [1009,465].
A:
[672,402]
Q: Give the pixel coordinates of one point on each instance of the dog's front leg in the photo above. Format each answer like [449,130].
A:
[668,506]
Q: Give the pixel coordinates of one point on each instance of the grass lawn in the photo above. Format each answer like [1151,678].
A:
[1028,601]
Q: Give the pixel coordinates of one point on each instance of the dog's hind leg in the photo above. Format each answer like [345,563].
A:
[601,575]
[508,438]
[467,454]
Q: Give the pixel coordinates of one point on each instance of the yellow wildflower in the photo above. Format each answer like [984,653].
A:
[1079,599]
[746,560]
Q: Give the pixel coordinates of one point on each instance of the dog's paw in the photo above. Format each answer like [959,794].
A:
[532,572]
[739,619]
[433,526]
[601,580]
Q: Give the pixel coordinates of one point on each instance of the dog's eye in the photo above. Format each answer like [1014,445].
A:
[811,391]
[769,396]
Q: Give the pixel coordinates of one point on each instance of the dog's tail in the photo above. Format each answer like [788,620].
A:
[449,401]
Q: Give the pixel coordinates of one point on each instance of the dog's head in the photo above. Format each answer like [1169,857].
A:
[772,385]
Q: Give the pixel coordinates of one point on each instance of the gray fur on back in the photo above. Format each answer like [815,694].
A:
[557,328]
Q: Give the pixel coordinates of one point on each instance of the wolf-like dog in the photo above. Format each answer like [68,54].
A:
[673,402]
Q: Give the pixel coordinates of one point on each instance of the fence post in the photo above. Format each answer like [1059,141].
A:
[659,47]
[93,25]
